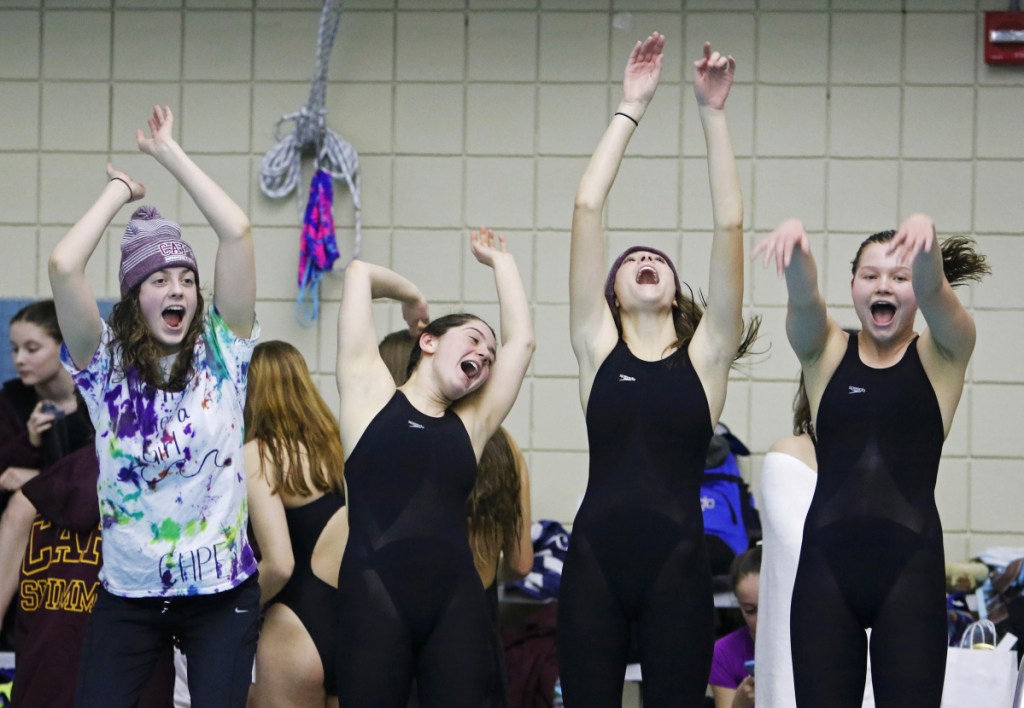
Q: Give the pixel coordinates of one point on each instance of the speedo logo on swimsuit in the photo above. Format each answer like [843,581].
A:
[624,377]
[856,389]
[414,425]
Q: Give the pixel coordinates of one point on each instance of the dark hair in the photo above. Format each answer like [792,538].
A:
[960,261]
[394,350]
[686,311]
[802,410]
[285,413]
[746,563]
[493,507]
[139,349]
[42,314]
[437,328]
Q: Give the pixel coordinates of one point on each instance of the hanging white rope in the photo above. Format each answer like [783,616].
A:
[281,167]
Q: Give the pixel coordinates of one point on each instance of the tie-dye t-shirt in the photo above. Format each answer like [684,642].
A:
[171,486]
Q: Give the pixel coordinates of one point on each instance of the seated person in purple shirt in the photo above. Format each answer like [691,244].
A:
[732,682]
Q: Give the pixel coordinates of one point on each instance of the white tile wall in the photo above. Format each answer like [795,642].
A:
[862,195]
[866,48]
[792,47]
[23,280]
[75,116]
[924,136]
[791,121]
[588,106]
[864,121]
[503,46]
[940,189]
[499,192]
[574,46]
[20,42]
[430,46]
[848,114]
[939,48]
[218,46]
[429,118]
[996,136]
[493,129]
[137,57]
[76,45]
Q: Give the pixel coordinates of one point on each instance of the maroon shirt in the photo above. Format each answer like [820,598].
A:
[59,574]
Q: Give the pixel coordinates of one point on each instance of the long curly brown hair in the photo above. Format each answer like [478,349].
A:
[494,509]
[140,350]
[292,423]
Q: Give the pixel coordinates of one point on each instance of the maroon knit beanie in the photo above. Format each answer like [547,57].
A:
[152,243]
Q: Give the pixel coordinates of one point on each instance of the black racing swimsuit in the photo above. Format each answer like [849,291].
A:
[872,547]
[310,598]
[637,559]
[411,604]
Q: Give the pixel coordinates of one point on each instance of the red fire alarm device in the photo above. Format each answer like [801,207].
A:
[1004,38]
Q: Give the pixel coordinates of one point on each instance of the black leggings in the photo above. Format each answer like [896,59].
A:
[858,574]
[665,593]
[126,637]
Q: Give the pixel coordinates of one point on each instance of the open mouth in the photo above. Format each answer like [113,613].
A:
[883,312]
[173,316]
[470,368]
[647,275]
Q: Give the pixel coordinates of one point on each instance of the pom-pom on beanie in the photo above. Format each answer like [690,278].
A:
[152,243]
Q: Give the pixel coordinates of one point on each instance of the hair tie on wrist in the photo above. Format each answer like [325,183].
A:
[626,115]
[131,193]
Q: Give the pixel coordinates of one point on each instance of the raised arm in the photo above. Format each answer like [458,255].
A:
[236,265]
[721,329]
[808,325]
[484,412]
[77,313]
[589,318]
[950,327]
[363,379]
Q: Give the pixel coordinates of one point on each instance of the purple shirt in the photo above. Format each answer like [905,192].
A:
[731,651]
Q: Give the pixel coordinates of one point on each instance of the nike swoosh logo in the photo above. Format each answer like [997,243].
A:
[856,389]
[624,377]
[415,426]
[239,611]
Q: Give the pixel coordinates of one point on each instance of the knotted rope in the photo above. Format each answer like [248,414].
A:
[281,167]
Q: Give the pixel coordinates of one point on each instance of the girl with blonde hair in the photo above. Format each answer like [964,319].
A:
[293,461]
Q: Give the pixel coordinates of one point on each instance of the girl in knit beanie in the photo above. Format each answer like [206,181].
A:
[164,382]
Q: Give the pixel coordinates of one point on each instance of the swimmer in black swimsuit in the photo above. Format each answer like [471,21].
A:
[653,376]
[411,605]
[293,460]
[882,402]
[498,508]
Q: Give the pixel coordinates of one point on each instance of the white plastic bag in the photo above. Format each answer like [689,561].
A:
[976,677]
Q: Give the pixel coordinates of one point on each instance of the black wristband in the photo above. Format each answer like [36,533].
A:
[626,115]
[131,194]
